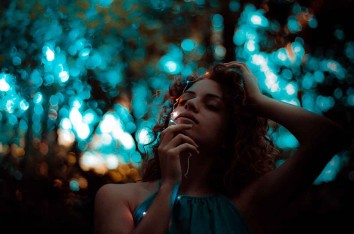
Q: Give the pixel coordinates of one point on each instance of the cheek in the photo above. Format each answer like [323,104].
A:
[220,132]
[220,128]
[215,129]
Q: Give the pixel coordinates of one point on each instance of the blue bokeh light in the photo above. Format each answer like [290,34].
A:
[91,70]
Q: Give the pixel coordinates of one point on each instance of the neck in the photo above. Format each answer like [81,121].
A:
[195,175]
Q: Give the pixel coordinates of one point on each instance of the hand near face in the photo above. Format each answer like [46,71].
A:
[253,93]
[173,143]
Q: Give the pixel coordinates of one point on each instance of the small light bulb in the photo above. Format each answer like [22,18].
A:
[171,122]
[172,119]
[174,115]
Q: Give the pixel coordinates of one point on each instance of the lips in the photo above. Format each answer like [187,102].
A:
[186,117]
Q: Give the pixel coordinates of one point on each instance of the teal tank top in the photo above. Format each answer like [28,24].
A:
[200,214]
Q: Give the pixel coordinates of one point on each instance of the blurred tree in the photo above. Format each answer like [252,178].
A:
[81,84]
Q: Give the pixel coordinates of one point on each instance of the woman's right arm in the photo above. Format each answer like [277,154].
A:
[113,212]
[172,144]
[114,215]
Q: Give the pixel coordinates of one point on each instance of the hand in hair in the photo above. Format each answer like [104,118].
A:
[253,92]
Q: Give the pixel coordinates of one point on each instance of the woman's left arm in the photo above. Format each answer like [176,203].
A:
[320,138]
[309,128]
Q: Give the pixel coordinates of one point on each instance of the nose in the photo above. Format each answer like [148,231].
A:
[192,105]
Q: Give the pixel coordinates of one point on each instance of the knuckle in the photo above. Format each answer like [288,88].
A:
[182,136]
[179,135]
[163,132]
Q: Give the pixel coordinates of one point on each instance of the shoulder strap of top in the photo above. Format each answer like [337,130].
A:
[142,208]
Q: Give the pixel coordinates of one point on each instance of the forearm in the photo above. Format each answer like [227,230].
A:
[306,126]
[157,218]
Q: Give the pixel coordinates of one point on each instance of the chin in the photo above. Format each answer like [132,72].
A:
[192,134]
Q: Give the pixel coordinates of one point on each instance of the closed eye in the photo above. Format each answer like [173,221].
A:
[212,107]
[210,101]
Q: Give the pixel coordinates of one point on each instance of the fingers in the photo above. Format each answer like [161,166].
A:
[181,138]
[253,92]
[234,64]
[239,65]
[168,146]
[171,131]
[173,145]
[173,142]
[185,147]
[249,79]
[247,73]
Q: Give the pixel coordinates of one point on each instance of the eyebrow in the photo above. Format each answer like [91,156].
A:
[209,95]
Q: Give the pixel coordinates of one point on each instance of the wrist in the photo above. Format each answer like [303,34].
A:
[171,188]
[256,103]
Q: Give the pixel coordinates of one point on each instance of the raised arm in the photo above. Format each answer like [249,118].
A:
[319,137]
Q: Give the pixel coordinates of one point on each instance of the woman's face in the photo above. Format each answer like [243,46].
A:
[202,106]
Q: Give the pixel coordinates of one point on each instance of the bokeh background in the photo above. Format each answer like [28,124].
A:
[82,83]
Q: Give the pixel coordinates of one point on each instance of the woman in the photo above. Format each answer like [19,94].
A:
[213,169]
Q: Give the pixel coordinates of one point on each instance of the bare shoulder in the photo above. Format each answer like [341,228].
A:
[130,194]
[118,202]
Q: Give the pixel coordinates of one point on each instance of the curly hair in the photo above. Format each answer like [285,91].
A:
[249,151]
